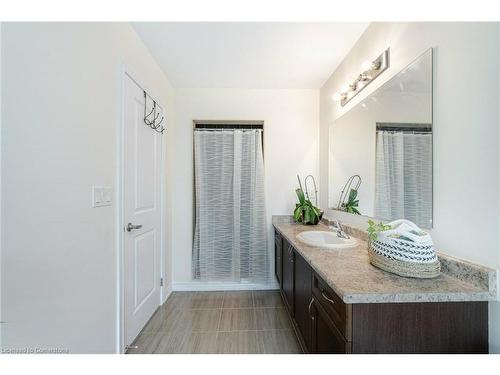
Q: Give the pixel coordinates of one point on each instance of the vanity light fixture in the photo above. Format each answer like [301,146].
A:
[367,65]
[371,70]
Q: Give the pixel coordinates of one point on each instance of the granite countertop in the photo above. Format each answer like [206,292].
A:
[349,273]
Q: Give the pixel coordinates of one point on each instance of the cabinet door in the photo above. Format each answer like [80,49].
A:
[278,264]
[287,257]
[325,337]
[302,298]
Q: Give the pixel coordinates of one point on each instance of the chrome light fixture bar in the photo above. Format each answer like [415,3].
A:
[371,70]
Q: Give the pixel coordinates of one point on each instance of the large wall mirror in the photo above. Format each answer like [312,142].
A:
[381,150]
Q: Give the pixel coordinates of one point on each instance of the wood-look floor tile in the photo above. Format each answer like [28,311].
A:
[206,300]
[159,342]
[267,298]
[200,343]
[237,300]
[237,342]
[170,342]
[272,318]
[178,300]
[188,323]
[278,342]
[162,320]
[146,343]
[155,322]
[237,320]
[198,320]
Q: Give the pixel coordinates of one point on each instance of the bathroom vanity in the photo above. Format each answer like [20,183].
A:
[381,166]
[340,303]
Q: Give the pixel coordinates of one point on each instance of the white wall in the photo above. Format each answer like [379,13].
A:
[495,307]
[61,111]
[466,129]
[291,126]
[1,184]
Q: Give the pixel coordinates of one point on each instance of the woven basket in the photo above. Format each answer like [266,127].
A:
[411,257]
[406,269]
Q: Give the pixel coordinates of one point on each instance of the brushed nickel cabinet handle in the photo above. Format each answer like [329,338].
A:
[310,305]
[326,297]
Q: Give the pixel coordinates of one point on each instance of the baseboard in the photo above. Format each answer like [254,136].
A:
[167,292]
[196,286]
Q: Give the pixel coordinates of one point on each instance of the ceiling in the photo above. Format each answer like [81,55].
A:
[248,55]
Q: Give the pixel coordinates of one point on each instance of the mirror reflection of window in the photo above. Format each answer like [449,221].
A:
[403,182]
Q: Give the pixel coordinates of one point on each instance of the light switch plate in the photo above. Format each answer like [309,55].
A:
[101,196]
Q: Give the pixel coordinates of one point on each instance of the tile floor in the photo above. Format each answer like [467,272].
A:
[219,322]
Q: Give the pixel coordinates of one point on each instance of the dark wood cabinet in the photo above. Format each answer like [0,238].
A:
[431,327]
[288,275]
[302,299]
[278,251]
[338,312]
[325,336]
[324,323]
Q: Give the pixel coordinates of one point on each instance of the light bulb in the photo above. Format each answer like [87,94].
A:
[344,88]
[336,97]
[367,65]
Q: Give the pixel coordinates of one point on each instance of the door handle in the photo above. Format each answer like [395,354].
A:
[131,227]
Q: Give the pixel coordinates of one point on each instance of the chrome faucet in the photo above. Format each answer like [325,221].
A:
[340,230]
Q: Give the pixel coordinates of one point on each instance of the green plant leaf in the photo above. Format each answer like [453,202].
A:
[307,214]
[353,194]
[352,203]
[297,213]
[300,195]
[374,229]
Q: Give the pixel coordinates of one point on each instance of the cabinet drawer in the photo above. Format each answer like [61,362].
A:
[333,305]
[326,338]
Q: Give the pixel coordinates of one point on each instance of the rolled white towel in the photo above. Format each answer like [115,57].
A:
[407,229]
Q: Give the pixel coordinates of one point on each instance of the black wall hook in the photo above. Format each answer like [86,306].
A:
[156,126]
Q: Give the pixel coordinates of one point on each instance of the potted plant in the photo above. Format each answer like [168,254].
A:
[352,203]
[305,212]
[374,229]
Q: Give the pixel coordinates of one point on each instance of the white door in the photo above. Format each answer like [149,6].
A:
[141,213]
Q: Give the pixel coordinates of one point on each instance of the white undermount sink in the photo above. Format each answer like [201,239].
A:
[326,240]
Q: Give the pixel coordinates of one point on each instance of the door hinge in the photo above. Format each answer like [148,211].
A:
[161,281]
